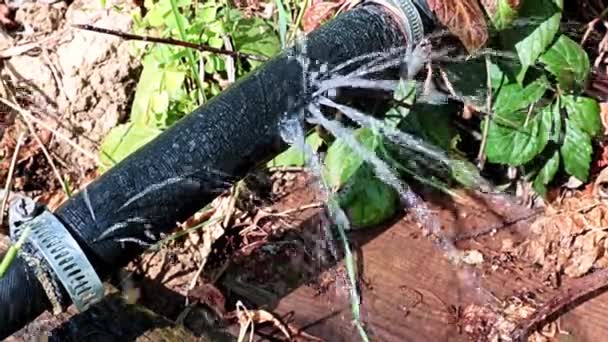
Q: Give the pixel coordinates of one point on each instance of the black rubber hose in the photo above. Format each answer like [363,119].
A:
[172,177]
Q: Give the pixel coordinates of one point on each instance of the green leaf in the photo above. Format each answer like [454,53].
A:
[501,13]
[584,113]
[556,131]
[498,78]
[284,18]
[513,97]
[576,151]
[406,94]
[465,173]
[341,162]
[541,36]
[215,42]
[159,102]
[520,144]
[255,36]
[149,83]
[157,15]
[154,91]
[293,156]
[172,22]
[207,14]
[431,124]
[367,200]
[567,60]
[546,174]
[123,140]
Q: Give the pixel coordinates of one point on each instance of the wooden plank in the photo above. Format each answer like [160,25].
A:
[410,284]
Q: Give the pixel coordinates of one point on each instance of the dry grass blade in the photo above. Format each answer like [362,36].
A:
[48,157]
[9,177]
[247,319]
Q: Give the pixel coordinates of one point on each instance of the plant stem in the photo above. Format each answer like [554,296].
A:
[189,54]
[9,177]
[298,21]
[282,23]
[481,157]
[352,274]
[11,254]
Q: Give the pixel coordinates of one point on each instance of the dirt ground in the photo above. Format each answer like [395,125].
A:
[509,262]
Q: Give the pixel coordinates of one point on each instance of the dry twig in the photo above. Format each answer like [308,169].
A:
[9,177]
[169,41]
[579,290]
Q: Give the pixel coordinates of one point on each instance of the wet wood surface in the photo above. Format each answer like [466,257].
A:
[411,289]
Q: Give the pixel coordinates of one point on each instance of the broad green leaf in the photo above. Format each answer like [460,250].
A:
[406,94]
[159,102]
[256,36]
[513,97]
[183,3]
[123,140]
[157,15]
[155,82]
[171,22]
[293,156]
[214,63]
[567,60]
[556,131]
[465,173]
[497,77]
[501,12]
[367,200]
[548,12]
[520,144]
[173,79]
[341,162]
[215,42]
[468,78]
[432,124]
[584,113]
[216,27]
[576,151]
[149,83]
[546,174]
[207,14]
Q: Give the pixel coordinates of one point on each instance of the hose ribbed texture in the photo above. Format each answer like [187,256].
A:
[172,177]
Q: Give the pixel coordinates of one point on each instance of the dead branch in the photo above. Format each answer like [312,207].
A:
[579,290]
[169,41]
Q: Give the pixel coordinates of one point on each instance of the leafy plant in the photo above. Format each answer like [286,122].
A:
[175,80]
[548,122]
[293,156]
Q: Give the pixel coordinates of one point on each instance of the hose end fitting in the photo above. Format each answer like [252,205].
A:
[412,15]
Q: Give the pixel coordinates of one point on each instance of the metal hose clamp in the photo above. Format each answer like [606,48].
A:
[49,238]
[409,13]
